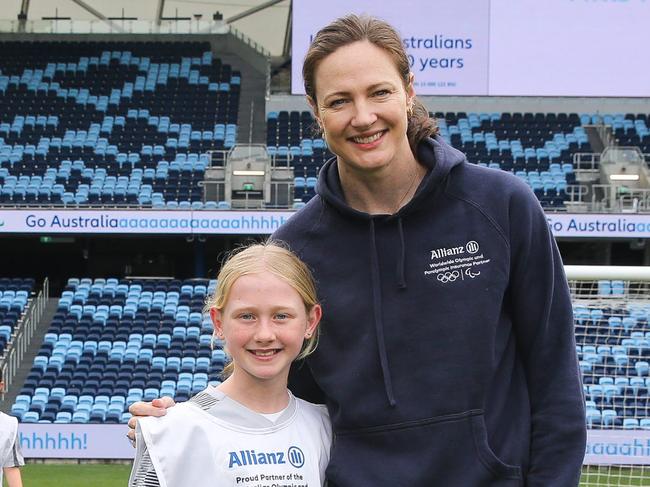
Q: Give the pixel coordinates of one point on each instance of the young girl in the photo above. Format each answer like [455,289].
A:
[249,431]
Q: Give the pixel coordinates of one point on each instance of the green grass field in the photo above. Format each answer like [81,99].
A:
[72,475]
[85,475]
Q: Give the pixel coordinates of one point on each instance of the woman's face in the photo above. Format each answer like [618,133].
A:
[362,107]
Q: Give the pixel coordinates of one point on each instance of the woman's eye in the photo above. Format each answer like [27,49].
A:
[337,103]
[281,316]
[382,93]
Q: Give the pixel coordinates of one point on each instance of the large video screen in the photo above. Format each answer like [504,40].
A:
[505,47]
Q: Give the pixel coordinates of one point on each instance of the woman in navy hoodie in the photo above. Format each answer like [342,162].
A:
[447,355]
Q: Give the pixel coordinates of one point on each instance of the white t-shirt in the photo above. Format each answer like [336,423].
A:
[10,454]
[215,441]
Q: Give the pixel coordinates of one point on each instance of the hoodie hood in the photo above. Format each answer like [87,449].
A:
[434,153]
[440,159]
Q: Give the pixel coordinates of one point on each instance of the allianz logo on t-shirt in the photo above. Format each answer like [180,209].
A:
[293,455]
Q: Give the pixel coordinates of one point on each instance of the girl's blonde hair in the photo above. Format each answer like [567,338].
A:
[275,258]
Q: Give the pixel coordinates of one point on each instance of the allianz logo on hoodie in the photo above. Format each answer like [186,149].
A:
[470,247]
[460,263]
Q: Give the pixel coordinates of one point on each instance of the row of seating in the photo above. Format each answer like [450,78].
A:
[613,419]
[531,147]
[116,341]
[629,130]
[613,347]
[120,111]
[149,338]
[15,294]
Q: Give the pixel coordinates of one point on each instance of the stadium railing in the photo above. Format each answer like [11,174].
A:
[23,336]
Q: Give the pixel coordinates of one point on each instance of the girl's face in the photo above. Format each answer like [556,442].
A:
[362,106]
[264,324]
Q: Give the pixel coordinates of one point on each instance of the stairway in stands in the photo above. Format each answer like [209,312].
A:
[30,353]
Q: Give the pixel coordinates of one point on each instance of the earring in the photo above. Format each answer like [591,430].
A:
[308,335]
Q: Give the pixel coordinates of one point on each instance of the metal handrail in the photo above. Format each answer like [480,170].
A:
[576,192]
[606,135]
[127,26]
[610,198]
[23,334]
[589,161]
[243,37]
[215,162]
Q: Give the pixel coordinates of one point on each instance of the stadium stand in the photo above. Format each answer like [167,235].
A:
[116,341]
[113,342]
[537,147]
[630,130]
[289,139]
[14,297]
[112,123]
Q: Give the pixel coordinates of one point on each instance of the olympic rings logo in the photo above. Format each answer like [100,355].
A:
[446,277]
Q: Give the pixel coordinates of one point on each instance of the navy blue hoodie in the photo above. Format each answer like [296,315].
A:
[447,354]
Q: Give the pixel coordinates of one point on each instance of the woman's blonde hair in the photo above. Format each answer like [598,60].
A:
[275,258]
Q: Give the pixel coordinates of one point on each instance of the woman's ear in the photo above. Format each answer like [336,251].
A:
[312,105]
[313,319]
[314,109]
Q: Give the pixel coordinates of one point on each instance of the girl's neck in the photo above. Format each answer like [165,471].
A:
[383,192]
[262,397]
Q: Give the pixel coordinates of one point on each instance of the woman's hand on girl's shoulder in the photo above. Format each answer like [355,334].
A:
[157,407]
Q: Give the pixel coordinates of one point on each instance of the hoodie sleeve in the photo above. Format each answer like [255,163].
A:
[543,321]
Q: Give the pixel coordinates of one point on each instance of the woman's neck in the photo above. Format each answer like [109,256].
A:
[382,192]
[260,396]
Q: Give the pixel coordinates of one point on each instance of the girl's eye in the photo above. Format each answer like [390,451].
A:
[281,316]
[247,316]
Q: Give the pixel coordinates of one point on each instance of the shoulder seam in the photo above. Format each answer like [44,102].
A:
[480,209]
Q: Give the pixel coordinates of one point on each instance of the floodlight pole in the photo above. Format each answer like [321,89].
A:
[159,11]
[251,11]
[24,8]
[286,49]
[22,16]
[96,13]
